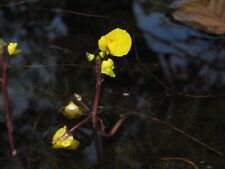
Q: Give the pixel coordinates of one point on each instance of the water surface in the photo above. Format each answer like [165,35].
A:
[171,85]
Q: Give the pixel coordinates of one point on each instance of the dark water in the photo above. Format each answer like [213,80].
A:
[171,84]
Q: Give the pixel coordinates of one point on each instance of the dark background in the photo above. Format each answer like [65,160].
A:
[173,78]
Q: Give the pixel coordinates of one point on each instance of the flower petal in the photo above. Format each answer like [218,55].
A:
[66,143]
[117,42]
[107,67]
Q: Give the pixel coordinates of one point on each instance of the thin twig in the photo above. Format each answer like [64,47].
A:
[219,153]
[71,12]
[188,136]
[68,133]
[180,159]
[80,124]
[15,3]
[114,128]
[46,66]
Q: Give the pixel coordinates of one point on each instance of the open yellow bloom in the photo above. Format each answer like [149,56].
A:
[13,48]
[61,139]
[107,67]
[72,111]
[117,42]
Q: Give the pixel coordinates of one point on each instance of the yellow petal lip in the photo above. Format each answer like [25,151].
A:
[61,140]
[117,42]
[107,67]
[72,111]
[12,48]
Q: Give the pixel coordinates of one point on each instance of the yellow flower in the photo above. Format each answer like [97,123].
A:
[13,49]
[117,42]
[72,111]
[62,139]
[107,67]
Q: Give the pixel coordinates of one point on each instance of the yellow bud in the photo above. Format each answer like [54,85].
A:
[90,56]
[101,54]
[13,49]
[72,111]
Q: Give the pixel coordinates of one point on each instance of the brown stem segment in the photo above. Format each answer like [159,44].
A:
[7,109]
[114,128]
[180,159]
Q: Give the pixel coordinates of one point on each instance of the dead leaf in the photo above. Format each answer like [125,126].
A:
[207,15]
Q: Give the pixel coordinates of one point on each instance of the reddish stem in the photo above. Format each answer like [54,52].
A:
[97,94]
[95,108]
[93,114]
[7,109]
[80,124]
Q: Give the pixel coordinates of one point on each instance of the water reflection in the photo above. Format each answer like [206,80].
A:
[184,53]
[52,67]
[35,67]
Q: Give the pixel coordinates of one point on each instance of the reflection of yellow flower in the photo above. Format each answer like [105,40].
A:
[117,42]
[107,67]
[61,139]
[12,48]
[72,111]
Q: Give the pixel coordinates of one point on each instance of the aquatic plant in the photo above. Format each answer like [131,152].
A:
[12,50]
[115,43]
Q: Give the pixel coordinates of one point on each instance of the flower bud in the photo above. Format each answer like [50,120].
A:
[13,49]
[72,111]
[90,56]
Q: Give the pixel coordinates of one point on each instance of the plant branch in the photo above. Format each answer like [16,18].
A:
[180,159]
[80,124]
[188,136]
[114,129]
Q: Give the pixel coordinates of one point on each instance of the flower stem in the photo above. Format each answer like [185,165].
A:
[95,108]
[97,94]
[80,124]
[7,109]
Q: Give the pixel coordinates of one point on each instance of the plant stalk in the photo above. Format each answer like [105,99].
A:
[97,94]
[94,110]
[7,109]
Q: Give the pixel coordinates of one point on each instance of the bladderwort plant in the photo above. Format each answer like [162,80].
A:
[8,50]
[116,43]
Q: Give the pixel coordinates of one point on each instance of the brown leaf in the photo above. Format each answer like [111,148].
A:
[207,15]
